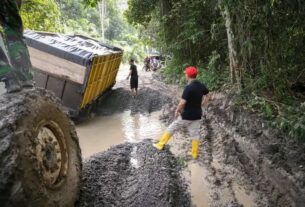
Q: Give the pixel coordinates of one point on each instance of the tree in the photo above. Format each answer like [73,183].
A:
[116,25]
[41,15]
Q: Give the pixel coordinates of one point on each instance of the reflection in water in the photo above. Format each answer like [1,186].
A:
[100,133]
[138,127]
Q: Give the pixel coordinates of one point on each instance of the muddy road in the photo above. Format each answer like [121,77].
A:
[132,173]
[122,169]
[241,162]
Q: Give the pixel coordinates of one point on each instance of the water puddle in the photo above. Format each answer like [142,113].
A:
[199,187]
[102,132]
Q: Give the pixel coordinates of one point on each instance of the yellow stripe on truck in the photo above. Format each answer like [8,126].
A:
[102,75]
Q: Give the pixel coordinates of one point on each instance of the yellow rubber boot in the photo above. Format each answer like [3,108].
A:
[164,139]
[195,146]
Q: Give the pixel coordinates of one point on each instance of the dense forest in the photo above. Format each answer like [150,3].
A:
[254,48]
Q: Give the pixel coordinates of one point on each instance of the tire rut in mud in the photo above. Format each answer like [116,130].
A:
[268,162]
[147,101]
[133,175]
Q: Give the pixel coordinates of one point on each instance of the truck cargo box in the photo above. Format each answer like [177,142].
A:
[78,69]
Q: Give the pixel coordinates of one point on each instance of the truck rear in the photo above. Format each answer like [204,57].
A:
[79,70]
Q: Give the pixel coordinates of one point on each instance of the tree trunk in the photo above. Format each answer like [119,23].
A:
[164,7]
[101,6]
[235,72]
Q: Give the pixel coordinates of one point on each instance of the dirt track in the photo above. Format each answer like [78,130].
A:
[233,168]
[147,101]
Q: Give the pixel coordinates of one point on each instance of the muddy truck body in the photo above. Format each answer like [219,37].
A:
[79,70]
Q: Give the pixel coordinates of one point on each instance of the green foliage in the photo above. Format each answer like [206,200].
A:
[290,118]
[79,19]
[117,25]
[139,11]
[292,121]
[83,27]
[214,74]
[90,3]
[85,19]
[133,47]
[41,15]
[173,72]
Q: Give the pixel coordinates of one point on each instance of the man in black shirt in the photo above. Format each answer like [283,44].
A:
[188,113]
[133,74]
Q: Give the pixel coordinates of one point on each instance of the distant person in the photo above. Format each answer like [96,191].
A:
[155,64]
[188,112]
[133,74]
[147,64]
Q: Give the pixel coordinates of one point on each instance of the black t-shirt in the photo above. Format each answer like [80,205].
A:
[193,94]
[134,72]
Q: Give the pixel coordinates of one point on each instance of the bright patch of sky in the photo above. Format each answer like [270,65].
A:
[123,5]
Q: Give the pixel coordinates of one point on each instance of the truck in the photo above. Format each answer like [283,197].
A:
[79,70]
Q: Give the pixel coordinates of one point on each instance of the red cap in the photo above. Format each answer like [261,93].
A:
[191,72]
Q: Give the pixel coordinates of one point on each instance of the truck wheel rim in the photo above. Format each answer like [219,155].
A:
[52,153]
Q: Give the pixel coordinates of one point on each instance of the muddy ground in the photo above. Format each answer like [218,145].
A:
[147,101]
[241,161]
[133,175]
[246,162]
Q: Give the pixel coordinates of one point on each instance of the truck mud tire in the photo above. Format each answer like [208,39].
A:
[40,158]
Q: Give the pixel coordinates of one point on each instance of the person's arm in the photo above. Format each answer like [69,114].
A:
[206,99]
[206,96]
[129,74]
[179,108]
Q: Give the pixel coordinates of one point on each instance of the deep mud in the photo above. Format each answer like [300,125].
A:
[265,160]
[147,101]
[211,181]
[241,162]
[133,175]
